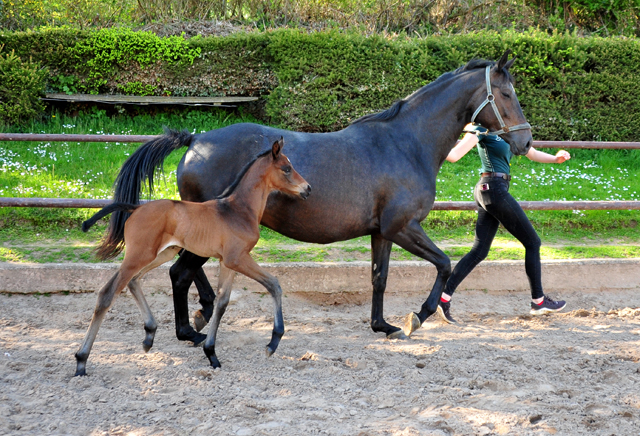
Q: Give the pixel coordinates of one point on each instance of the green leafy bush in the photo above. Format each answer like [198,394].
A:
[21,85]
[570,87]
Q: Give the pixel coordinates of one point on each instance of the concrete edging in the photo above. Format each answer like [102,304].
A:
[341,280]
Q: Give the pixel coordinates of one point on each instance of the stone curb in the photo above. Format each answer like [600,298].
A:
[338,281]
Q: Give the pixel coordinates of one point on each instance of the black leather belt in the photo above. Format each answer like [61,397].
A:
[507,177]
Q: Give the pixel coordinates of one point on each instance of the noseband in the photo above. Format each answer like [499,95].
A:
[491,99]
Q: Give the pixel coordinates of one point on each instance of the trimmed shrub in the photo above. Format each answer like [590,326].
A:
[21,85]
[570,88]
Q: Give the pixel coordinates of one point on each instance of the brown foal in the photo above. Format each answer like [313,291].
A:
[226,228]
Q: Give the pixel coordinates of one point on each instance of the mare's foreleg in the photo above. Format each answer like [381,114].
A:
[182,274]
[225,281]
[413,239]
[106,297]
[380,254]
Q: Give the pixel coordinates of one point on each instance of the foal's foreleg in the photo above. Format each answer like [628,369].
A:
[247,266]
[106,297]
[225,281]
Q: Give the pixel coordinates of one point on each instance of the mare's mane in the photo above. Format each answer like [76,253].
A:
[391,113]
[232,187]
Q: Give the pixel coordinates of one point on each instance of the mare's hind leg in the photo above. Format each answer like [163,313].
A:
[202,316]
[106,297]
[380,253]
[247,266]
[150,325]
[182,274]
[413,239]
[225,281]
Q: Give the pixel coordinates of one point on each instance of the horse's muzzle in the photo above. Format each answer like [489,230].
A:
[307,191]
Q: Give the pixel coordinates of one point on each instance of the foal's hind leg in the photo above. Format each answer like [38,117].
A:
[150,325]
[225,281]
[106,297]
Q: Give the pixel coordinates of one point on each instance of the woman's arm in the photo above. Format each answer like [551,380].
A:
[467,143]
[542,157]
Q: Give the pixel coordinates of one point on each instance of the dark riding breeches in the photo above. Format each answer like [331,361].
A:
[496,206]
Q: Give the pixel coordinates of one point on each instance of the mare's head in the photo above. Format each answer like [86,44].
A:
[282,176]
[509,121]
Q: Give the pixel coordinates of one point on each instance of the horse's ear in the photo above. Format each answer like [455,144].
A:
[510,63]
[504,60]
[277,147]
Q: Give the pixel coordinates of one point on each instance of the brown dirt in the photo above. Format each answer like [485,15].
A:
[500,371]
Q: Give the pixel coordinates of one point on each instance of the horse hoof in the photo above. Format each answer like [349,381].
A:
[80,373]
[146,345]
[399,334]
[198,320]
[198,339]
[215,363]
[268,351]
[411,323]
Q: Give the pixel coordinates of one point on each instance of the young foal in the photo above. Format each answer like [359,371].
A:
[226,228]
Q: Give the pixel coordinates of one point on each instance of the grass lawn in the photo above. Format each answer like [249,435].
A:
[87,170]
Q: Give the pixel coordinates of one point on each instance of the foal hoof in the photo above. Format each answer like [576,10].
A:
[268,351]
[398,334]
[411,323]
[198,320]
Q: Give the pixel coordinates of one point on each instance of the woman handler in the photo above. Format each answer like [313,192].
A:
[496,206]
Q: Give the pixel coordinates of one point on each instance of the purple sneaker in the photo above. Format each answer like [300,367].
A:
[547,306]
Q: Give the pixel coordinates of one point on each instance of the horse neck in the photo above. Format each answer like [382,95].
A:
[253,190]
[443,111]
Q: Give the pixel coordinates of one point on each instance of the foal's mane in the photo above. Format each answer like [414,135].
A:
[391,113]
[232,187]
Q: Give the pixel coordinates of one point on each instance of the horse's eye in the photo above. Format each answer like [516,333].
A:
[505,95]
[286,170]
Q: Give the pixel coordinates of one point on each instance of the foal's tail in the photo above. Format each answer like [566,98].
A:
[138,169]
[110,247]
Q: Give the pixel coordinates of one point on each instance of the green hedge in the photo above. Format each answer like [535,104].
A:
[571,88]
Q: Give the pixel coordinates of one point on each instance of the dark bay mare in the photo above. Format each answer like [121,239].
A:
[226,228]
[376,177]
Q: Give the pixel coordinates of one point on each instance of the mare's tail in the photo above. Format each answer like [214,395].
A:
[138,169]
[109,247]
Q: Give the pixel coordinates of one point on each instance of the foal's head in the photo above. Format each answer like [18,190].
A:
[282,176]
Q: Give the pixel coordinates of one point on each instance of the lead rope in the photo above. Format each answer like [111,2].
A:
[491,99]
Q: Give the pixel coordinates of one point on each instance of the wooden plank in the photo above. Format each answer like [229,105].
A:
[71,137]
[147,99]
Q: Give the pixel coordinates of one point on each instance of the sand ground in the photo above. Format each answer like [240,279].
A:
[500,371]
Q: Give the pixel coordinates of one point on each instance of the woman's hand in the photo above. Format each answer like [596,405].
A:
[542,157]
[562,156]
